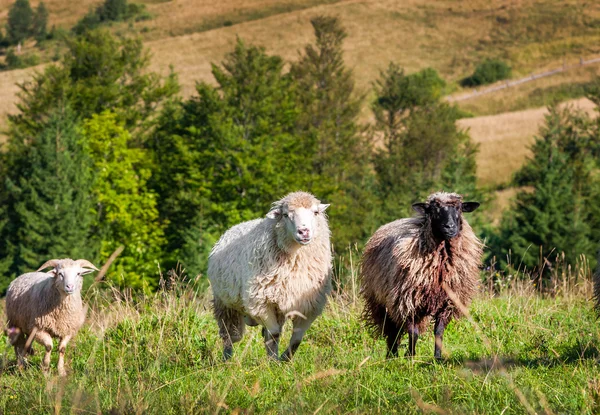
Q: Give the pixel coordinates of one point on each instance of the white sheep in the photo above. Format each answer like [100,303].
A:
[266,270]
[46,306]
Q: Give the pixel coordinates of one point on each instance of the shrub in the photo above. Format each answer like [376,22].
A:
[487,72]
[14,61]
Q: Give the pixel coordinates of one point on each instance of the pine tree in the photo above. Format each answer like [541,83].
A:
[20,17]
[423,150]
[554,216]
[227,153]
[98,72]
[40,22]
[329,126]
[49,204]
[112,10]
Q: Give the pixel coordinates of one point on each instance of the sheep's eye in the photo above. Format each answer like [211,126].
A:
[285,215]
[316,212]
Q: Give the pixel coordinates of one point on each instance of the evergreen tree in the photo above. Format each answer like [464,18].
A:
[127,209]
[229,152]
[422,150]
[40,22]
[49,203]
[555,216]
[112,10]
[98,72]
[329,125]
[20,17]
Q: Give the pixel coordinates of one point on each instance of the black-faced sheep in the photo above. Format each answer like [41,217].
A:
[413,268]
[47,305]
[266,270]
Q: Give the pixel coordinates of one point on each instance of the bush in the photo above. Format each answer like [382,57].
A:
[488,72]
[14,61]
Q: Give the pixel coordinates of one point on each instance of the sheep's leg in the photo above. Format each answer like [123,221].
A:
[45,340]
[301,325]
[231,326]
[413,336]
[18,341]
[439,327]
[62,346]
[271,333]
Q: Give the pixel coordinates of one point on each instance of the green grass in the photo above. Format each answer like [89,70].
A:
[162,355]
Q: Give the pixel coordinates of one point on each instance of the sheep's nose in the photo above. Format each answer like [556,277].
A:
[304,232]
[69,287]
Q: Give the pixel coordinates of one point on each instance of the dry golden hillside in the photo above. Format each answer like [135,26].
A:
[450,36]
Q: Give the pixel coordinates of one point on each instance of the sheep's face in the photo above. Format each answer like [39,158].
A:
[301,223]
[68,274]
[445,218]
[69,279]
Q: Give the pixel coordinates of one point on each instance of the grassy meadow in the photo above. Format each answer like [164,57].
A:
[517,352]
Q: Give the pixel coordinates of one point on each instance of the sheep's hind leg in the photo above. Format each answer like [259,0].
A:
[45,340]
[388,328]
[17,339]
[301,325]
[62,346]
[231,326]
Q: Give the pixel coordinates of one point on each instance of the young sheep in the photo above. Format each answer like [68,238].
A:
[47,305]
[414,269]
[266,270]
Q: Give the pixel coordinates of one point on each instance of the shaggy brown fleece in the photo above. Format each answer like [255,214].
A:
[404,272]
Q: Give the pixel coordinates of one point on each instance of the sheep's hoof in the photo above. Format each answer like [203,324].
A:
[227,353]
[62,373]
[285,358]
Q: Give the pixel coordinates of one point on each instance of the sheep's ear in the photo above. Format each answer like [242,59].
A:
[323,207]
[85,271]
[274,213]
[420,207]
[469,206]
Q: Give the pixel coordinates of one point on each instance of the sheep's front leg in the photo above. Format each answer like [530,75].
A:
[439,327]
[271,333]
[62,346]
[45,340]
[413,336]
[301,325]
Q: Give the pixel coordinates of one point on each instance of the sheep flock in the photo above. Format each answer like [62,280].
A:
[413,272]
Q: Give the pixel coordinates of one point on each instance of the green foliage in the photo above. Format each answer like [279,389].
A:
[124,85]
[557,213]
[127,212]
[20,17]
[40,22]
[131,93]
[422,150]
[14,61]
[488,72]
[328,122]
[112,10]
[48,198]
[229,152]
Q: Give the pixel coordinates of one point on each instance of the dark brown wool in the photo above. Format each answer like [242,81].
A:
[404,269]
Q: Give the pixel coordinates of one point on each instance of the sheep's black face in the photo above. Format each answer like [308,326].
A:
[446,220]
